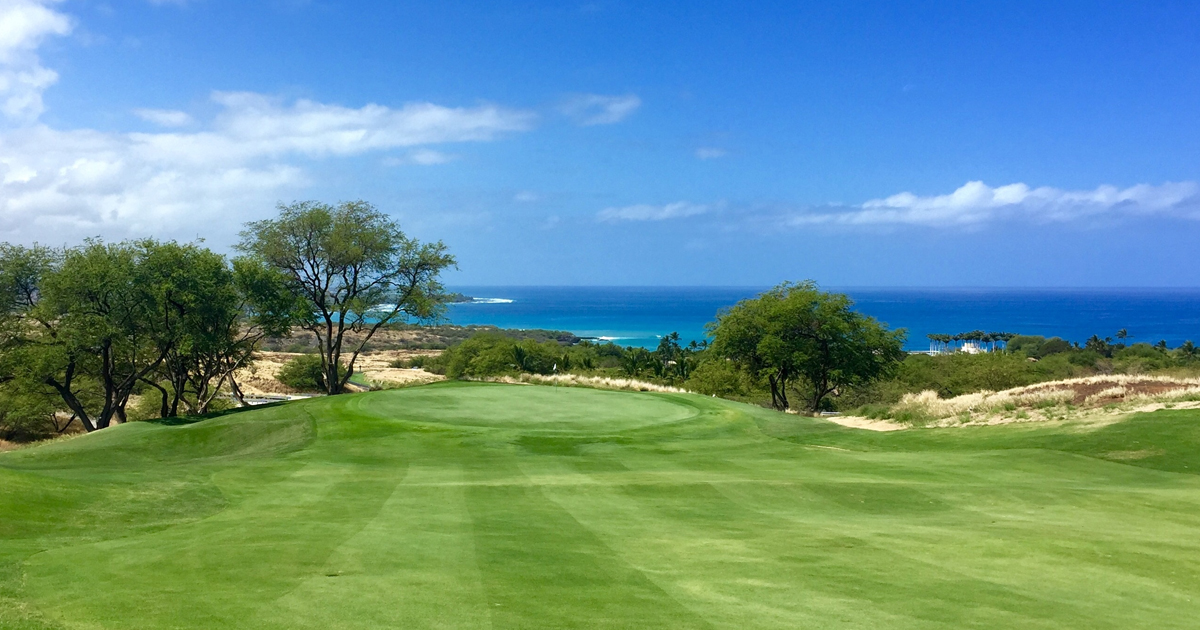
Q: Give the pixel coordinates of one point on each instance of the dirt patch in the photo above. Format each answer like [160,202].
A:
[377,367]
[5,445]
[1101,391]
[259,379]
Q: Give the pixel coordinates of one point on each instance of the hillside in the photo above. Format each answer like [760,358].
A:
[462,505]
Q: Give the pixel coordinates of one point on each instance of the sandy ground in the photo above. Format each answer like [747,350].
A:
[858,422]
[259,379]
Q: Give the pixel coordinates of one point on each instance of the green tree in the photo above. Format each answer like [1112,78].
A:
[355,271]
[93,319]
[89,323]
[305,373]
[636,360]
[211,318]
[797,333]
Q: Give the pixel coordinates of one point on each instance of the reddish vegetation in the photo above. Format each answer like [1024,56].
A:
[1086,389]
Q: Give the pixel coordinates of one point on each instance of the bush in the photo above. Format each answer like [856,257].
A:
[304,373]
[720,378]
[26,417]
[1027,344]
[1053,345]
[489,354]
[1141,358]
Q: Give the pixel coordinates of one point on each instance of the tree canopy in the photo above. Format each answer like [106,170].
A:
[351,271]
[797,335]
[90,325]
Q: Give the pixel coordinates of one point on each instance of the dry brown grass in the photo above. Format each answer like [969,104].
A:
[1102,398]
[259,379]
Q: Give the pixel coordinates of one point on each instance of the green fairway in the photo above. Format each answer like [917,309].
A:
[493,506]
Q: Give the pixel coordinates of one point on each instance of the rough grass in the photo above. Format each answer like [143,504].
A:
[465,505]
[1052,400]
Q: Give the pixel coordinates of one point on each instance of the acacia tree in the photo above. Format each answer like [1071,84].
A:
[210,320]
[797,334]
[94,323]
[27,406]
[86,324]
[354,270]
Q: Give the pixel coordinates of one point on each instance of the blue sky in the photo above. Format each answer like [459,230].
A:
[615,143]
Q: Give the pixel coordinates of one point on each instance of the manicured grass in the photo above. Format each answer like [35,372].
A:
[476,506]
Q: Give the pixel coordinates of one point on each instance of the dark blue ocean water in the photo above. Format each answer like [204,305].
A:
[637,316]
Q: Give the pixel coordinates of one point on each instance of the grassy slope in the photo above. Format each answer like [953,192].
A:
[522,507]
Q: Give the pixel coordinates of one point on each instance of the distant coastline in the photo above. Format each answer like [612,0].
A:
[459,298]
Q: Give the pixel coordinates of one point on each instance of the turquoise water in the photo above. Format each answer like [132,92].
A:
[637,316]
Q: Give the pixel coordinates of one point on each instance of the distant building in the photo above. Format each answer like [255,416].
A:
[972,347]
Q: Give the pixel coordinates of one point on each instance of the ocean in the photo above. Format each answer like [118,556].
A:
[638,316]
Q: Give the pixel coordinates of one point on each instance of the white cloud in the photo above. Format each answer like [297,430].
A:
[254,125]
[23,26]
[647,212]
[710,153]
[164,117]
[427,157]
[58,185]
[598,109]
[976,203]
[65,184]
[527,196]
[423,157]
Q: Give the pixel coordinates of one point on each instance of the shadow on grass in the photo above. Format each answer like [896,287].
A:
[178,421]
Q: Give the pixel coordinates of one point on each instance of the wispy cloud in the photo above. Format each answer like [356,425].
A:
[647,212]
[66,183]
[164,117]
[710,153]
[254,125]
[976,203]
[61,184]
[421,157]
[23,26]
[598,109]
[429,157]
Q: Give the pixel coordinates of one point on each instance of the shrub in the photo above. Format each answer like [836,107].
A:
[304,373]
[1053,345]
[490,354]
[1027,344]
[25,418]
[718,377]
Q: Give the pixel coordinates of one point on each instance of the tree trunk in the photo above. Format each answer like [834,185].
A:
[236,391]
[69,397]
[164,409]
[778,391]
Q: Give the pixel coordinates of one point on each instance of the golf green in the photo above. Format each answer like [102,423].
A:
[496,506]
